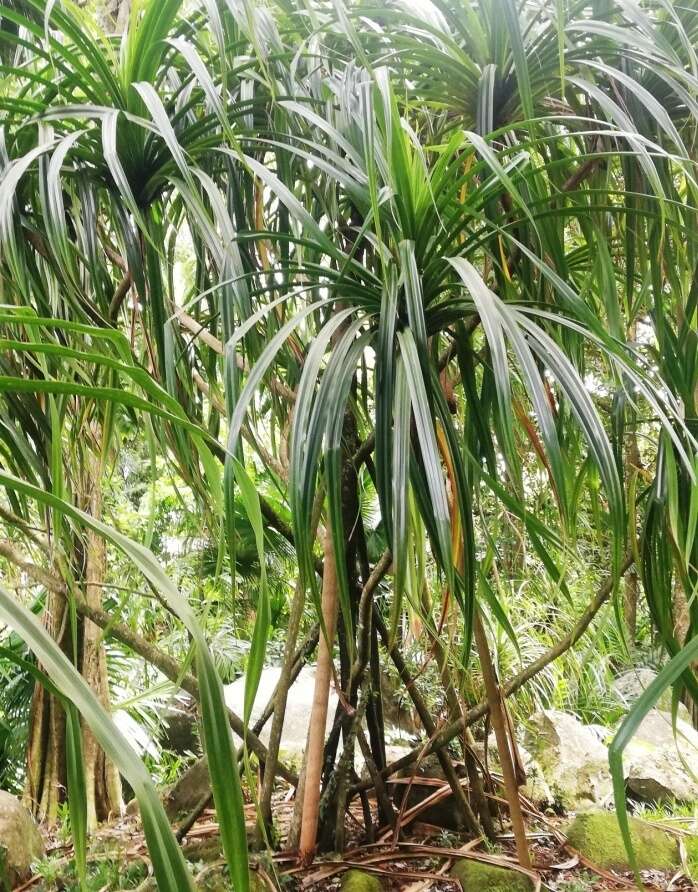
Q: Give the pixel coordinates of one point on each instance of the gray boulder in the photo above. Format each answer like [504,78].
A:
[573,761]
[573,758]
[21,844]
[597,836]
[421,781]
[660,767]
[536,787]
[631,684]
[186,794]
[298,707]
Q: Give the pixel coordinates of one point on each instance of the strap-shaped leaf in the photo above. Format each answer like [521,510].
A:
[428,449]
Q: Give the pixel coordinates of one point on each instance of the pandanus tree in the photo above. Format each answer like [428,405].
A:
[422,244]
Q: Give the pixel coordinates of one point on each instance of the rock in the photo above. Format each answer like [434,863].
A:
[206,849]
[180,726]
[536,787]
[573,761]
[359,881]
[215,878]
[398,711]
[628,687]
[602,733]
[483,877]
[393,752]
[657,764]
[442,813]
[209,849]
[186,793]
[298,707]
[597,836]
[631,684]
[21,844]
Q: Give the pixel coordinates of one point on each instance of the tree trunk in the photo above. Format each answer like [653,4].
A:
[280,701]
[634,461]
[498,719]
[318,715]
[682,624]
[101,777]
[45,785]
[45,788]
[632,587]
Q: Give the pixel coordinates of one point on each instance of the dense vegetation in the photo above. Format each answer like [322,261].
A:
[357,333]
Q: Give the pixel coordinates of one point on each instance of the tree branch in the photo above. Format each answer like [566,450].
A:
[201,332]
[120,293]
[38,574]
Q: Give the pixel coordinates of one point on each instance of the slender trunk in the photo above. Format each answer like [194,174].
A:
[101,777]
[280,699]
[474,713]
[462,805]
[45,785]
[455,712]
[499,722]
[455,708]
[682,624]
[337,786]
[634,461]
[374,708]
[318,715]
[632,586]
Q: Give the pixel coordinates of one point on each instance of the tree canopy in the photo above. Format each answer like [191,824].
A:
[402,298]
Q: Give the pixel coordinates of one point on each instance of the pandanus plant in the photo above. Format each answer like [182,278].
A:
[417,239]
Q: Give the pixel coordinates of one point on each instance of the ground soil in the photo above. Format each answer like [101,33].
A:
[417,859]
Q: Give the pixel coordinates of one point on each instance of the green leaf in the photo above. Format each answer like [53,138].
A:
[262,625]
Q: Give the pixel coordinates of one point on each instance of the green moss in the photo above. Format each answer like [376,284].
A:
[597,836]
[691,843]
[477,875]
[358,881]
[256,884]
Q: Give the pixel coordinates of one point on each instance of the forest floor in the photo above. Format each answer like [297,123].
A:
[421,859]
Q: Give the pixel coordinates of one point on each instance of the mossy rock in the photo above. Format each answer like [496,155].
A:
[358,881]
[483,877]
[21,842]
[597,836]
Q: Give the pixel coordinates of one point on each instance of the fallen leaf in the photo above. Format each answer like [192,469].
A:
[566,865]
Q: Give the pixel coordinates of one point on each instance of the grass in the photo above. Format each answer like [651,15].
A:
[103,874]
